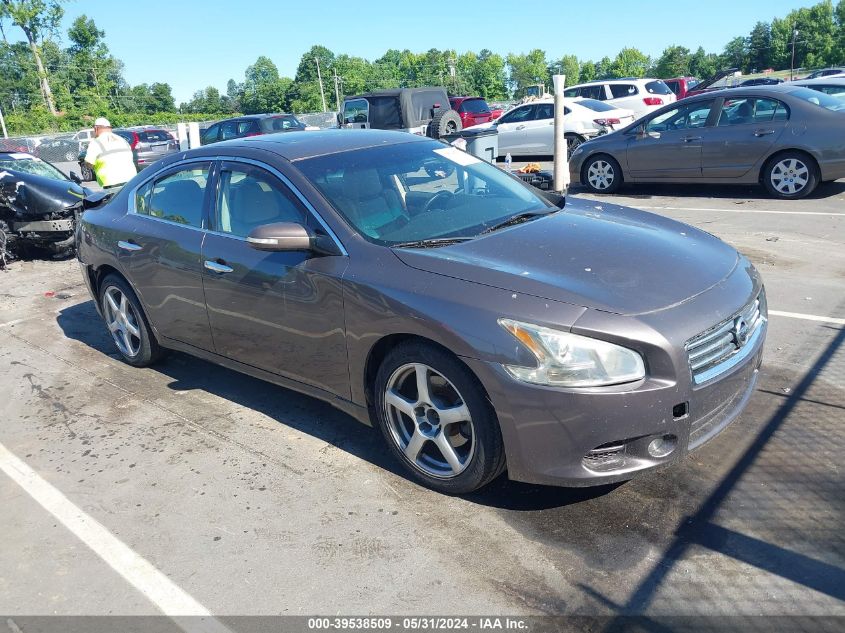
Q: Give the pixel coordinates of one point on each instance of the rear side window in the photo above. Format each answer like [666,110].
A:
[475,106]
[572,93]
[545,111]
[593,92]
[178,197]
[248,127]
[211,134]
[770,110]
[657,88]
[282,123]
[623,90]
[674,86]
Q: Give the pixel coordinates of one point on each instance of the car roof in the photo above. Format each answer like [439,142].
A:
[300,145]
[819,81]
[393,92]
[264,115]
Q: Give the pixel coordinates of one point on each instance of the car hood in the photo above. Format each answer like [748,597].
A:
[595,255]
[32,196]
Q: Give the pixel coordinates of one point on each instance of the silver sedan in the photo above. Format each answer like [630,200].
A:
[787,138]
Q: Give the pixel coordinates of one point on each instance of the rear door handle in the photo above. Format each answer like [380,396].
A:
[129,246]
[690,139]
[759,133]
[520,127]
[217,267]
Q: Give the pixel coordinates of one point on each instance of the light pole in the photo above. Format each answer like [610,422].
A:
[3,124]
[320,81]
[561,169]
[792,64]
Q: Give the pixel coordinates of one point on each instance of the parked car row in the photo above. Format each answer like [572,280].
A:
[787,138]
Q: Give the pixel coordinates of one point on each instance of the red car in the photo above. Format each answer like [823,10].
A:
[473,110]
[681,86]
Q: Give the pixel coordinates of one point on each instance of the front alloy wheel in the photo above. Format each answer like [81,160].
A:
[429,421]
[436,418]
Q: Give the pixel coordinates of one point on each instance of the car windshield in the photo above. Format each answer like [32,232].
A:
[819,98]
[596,105]
[408,192]
[32,166]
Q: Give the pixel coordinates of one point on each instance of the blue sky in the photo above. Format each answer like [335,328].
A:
[191,44]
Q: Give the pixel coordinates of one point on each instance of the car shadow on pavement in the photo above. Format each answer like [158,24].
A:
[305,414]
[647,191]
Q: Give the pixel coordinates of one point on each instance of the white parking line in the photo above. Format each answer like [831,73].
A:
[639,206]
[807,317]
[136,570]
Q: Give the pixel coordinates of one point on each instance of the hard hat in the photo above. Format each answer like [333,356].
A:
[102,122]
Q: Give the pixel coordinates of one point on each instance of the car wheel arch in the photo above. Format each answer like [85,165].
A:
[380,349]
[97,275]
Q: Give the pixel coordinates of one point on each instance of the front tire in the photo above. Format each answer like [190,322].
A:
[127,323]
[790,176]
[601,174]
[437,420]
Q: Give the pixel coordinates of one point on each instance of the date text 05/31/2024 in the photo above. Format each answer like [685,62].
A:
[426,623]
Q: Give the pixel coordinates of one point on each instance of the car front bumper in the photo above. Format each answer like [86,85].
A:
[570,437]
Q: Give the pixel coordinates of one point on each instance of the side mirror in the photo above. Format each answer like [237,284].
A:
[75,178]
[281,236]
[339,119]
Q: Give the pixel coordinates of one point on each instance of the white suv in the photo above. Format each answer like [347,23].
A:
[639,95]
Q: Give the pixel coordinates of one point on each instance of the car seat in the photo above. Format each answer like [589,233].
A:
[367,202]
[179,201]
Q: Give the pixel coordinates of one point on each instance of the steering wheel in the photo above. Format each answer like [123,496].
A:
[442,195]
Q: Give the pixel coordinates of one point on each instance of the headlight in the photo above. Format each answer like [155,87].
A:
[570,360]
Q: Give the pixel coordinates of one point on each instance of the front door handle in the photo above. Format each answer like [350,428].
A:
[520,127]
[129,246]
[217,267]
[759,133]
[690,139]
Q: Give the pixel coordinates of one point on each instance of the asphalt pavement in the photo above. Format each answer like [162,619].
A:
[245,498]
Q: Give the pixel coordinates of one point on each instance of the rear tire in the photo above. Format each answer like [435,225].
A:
[601,174]
[572,141]
[445,122]
[790,175]
[445,432]
[127,323]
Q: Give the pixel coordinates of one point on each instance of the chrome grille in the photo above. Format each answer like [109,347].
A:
[716,350]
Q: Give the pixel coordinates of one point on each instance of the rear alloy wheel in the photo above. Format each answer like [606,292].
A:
[431,411]
[71,156]
[791,176]
[602,174]
[126,323]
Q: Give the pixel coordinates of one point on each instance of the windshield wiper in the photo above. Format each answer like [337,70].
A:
[431,243]
[519,218]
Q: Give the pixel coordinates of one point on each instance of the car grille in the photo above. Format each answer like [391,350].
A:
[723,346]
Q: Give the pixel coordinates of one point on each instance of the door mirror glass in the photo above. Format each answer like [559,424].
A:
[75,178]
[281,236]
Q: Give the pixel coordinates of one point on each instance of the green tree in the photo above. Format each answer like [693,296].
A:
[736,54]
[703,65]
[489,75]
[839,55]
[528,69]
[91,74]
[36,18]
[604,68]
[304,94]
[760,46]
[630,62]
[588,71]
[568,65]
[673,62]
[160,99]
[263,89]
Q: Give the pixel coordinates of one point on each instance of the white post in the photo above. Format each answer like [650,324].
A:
[3,123]
[182,136]
[561,170]
[194,134]
[320,81]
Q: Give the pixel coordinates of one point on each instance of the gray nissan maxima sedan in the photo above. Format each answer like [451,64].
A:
[787,138]
[480,326]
